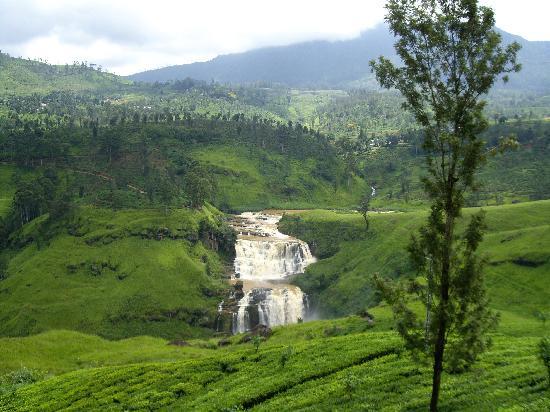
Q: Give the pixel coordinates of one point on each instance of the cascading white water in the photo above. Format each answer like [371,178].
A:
[264,257]
[270,259]
[281,305]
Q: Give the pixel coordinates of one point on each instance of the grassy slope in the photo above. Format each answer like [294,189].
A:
[59,351]
[341,283]
[249,179]
[20,76]
[332,365]
[344,364]
[108,273]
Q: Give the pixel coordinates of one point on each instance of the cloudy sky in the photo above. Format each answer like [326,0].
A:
[127,36]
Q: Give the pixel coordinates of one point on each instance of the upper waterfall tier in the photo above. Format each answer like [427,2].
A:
[264,253]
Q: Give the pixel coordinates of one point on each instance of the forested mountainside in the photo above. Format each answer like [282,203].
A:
[339,64]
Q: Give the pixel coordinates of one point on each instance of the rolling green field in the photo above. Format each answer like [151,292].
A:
[340,364]
[345,364]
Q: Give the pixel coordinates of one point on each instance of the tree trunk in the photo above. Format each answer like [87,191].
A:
[438,364]
[444,300]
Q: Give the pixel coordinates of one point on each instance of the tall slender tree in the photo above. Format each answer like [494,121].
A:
[450,56]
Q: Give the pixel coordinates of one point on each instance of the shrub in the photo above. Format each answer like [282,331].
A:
[20,377]
[544,354]
[351,382]
[285,356]
[257,341]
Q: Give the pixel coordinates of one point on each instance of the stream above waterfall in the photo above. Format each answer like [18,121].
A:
[264,259]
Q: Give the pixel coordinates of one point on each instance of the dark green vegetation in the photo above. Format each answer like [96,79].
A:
[187,161]
[451,56]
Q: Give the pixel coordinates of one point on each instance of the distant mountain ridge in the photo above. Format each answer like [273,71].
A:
[340,64]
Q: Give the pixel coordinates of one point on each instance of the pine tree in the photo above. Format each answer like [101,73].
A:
[451,56]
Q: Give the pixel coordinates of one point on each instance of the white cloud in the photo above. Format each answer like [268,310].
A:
[126,36]
[526,18]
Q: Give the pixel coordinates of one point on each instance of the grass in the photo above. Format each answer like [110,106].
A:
[253,179]
[116,274]
[60,351]
[517,245]
[335,364]
[25,77]
[343,364]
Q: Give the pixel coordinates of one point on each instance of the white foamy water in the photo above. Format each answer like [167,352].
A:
[265,257]
[280,305]
[264,253]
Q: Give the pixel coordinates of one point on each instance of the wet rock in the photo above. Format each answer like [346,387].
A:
[178,342]
[224,342]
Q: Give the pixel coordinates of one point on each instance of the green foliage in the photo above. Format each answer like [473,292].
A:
[256,342]
[352,371]
[544,354]
[542,316]
[18,378]
[451,55]
[285,356]
[364,207]
[516,247]
[24,77]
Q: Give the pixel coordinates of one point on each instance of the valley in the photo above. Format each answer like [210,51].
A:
[323,225]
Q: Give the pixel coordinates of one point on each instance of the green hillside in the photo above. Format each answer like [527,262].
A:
[24,77]
[116,274]
[325,365]
[350,363]
[116,248]
[248,179]
[517,245]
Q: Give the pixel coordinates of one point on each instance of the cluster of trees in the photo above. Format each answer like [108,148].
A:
[44,67]
[35,195]
[144,160]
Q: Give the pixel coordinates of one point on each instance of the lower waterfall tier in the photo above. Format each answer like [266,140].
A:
[273,306]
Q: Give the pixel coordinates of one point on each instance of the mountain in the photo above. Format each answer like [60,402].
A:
[324,64]
[314,63]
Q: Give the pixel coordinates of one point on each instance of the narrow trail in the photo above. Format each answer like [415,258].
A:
[107,177]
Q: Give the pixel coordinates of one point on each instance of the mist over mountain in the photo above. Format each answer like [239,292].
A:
[339,64]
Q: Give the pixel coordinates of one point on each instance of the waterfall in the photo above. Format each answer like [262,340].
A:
[270,307]
[264,258]
[270,259]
